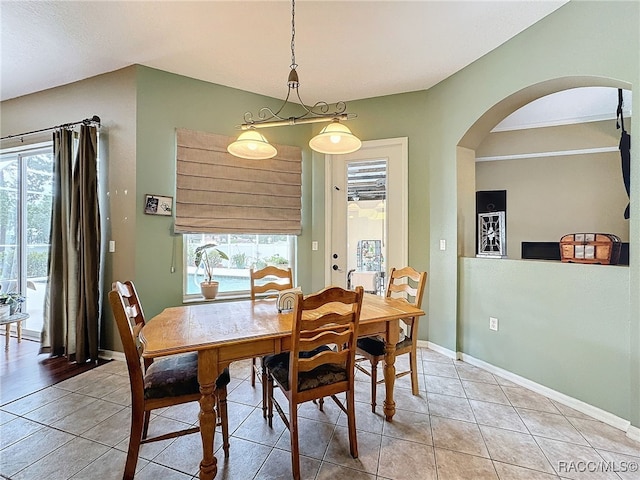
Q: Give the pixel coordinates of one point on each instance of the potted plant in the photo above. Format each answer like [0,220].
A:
[208,257]
[12,300]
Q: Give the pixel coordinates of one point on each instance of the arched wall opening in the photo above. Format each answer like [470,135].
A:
[574,185]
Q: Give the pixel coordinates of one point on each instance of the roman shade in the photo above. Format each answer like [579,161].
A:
[219,193]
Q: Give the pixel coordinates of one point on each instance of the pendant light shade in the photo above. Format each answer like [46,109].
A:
[252,145]
[336,139]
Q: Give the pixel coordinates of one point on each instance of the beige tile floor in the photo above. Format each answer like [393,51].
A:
[465,424]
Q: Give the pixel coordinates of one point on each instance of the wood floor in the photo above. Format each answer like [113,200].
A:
[23,371]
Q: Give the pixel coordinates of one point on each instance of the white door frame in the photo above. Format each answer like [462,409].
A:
[398,174]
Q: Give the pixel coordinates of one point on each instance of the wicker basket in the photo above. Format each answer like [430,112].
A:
[602,248]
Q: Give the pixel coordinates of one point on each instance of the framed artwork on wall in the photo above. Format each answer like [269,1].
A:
[158,205]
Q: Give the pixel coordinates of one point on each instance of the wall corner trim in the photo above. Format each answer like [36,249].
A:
[437,348]
[111,355]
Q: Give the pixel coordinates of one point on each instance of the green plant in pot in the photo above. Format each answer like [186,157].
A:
[209,257]
[12,300]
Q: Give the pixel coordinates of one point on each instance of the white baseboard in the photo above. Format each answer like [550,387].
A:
[111,355]
[579,405]
[437,348]
[633,433]
[594,412]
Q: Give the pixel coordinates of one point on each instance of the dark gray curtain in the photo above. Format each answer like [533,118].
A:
[71,310]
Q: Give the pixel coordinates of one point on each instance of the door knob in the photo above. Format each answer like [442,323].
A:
[336,268]
[335,255]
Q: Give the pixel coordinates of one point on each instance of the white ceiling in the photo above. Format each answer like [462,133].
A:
[346,50]
[576,105]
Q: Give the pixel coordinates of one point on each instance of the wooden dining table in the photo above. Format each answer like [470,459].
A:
[225,332]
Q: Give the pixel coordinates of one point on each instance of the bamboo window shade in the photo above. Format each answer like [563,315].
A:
[219,193]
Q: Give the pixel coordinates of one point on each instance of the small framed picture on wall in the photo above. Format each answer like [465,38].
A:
[158,205]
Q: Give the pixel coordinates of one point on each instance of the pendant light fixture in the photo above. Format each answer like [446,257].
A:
[334,139]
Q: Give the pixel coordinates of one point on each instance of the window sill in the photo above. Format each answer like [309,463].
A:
[222,297]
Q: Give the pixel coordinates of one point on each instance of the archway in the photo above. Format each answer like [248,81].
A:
[548,175]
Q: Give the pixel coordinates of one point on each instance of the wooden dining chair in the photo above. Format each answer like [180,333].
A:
[409,284]
[264,281]
[312,369]
[158,383]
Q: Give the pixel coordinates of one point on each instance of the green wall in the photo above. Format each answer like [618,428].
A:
[563,326]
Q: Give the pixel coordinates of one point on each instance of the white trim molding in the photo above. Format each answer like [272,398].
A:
[596,413]
[580,406]
[559,153]
[437,348]
[111,355]
[633,433]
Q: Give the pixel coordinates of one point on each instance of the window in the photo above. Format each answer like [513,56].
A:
[26,192]
[245,251]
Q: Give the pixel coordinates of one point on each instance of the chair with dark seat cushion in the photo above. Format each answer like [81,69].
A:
[163,382]
[409,284]
[268,281]
[313,370]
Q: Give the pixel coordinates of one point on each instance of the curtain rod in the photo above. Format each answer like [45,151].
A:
[86,121]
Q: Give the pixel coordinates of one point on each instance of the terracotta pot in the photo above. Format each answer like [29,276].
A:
[209,289]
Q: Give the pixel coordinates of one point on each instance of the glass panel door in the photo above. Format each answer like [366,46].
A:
[367,223]
[26,192]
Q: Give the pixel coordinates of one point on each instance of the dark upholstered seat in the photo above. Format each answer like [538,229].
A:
[375,345]
[176,375]
[325,374]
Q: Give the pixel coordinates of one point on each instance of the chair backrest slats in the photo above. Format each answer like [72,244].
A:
[409,284]
[307,364]
[328,319]
[127,312]
[330,316]
[399,283]
[277,279]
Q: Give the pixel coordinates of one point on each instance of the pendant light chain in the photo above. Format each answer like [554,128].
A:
[293,34]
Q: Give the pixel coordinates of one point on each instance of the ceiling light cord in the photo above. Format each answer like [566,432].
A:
[293,35]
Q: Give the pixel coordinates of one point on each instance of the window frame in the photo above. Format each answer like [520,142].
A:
[189,297]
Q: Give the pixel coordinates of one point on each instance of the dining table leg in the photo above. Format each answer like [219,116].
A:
[390,369]
[207,375]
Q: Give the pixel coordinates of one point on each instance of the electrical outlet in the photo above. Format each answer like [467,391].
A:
[493,324]
[443,244]
[314,245]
